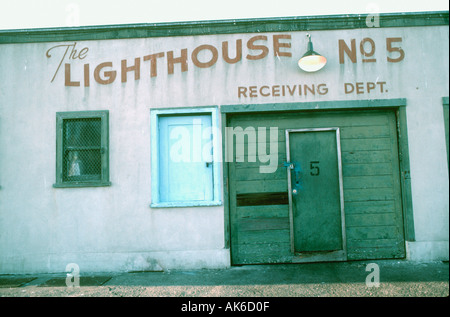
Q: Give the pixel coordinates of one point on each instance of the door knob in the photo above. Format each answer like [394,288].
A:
[296,182]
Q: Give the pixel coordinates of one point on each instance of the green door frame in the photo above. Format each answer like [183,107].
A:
[398,105]
[445,108]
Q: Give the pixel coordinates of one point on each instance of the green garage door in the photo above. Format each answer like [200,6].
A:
[264,230]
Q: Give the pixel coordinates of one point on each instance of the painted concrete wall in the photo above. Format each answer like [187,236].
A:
[42,228]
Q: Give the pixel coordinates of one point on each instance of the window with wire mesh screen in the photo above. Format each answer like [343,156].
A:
[82,149]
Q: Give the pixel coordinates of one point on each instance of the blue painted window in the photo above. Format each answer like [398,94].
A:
[185,157]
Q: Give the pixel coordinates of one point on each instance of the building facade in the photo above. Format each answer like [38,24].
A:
[204,145]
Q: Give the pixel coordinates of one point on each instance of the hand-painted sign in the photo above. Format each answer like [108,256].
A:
[207,55]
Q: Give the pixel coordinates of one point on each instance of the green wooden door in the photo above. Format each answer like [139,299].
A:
[260,220]
[315,190]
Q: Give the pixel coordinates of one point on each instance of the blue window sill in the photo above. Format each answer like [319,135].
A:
[185,204]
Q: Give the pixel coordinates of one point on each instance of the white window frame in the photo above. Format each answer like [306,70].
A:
[217,163]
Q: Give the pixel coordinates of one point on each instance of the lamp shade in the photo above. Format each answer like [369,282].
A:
[311,61]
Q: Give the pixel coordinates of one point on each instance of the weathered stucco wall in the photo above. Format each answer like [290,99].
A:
[113,228]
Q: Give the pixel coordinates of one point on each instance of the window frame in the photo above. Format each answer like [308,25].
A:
[155,114]
[103,115]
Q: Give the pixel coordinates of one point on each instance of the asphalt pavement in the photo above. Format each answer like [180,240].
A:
[387,278]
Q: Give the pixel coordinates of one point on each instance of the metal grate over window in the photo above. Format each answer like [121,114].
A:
[82,149]
[82,154]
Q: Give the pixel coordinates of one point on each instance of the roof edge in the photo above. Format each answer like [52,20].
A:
[190,28]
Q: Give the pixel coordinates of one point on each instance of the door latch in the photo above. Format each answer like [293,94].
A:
[288,165]
[296,179]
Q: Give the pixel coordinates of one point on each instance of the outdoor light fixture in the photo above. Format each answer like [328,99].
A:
[311,61]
